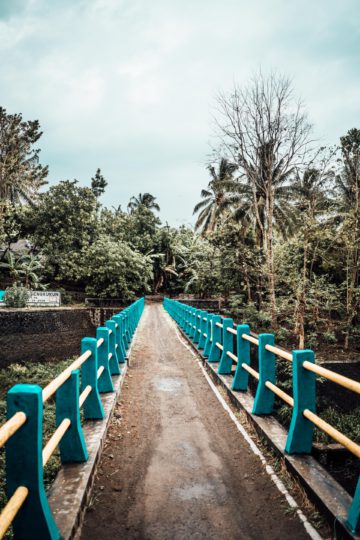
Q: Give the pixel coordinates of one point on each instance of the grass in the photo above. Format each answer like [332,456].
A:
[347,423]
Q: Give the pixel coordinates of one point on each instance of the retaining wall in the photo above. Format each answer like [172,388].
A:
[40,335]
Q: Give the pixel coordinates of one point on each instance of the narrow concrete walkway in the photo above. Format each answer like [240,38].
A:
[175,466]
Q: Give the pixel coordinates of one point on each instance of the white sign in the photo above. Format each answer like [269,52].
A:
[44,298]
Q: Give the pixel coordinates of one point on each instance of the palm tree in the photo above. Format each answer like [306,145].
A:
[21,174]
[348,207]
[18,189]
[117,210]
[218,198]
[235,198]
[244,211]
[23,268]
[311,200]
[144,200]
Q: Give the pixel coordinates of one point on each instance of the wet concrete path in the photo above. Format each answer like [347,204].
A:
[175,466]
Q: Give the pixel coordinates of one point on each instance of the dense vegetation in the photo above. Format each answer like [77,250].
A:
[276,236]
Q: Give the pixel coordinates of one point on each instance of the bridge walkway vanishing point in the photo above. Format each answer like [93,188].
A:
[175,465]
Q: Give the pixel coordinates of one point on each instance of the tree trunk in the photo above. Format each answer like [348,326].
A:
[300,311]
[350,307]
[353,256]
[270,261]
[248,285]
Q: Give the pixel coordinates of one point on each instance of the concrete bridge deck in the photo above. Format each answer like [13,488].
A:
[175,465]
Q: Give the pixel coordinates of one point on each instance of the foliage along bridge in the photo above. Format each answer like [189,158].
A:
[181,465]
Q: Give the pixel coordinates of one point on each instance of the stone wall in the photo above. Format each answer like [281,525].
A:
[40,335]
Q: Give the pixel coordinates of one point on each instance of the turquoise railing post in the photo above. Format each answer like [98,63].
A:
[113,360]
[189,323]
[207,347]
[197,326]
[192,323]
[123,315]
[123,336]
[264,398]
[195,323]
[182,316]
[202,339]
[214,355]
[188,319]
[241,377]
[121,353]
[127,328]
[353,520]
[24,465]
[104,381]
[133,318]
[93,409]
[299,440]
[124,320]
[72,445]
[228,346]
[132,323]
[177,313]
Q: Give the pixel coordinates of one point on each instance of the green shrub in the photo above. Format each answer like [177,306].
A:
[329,337]
[66,297]
[311,340]
[282,334]
[16,296]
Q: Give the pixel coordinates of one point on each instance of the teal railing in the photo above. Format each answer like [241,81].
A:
[218,338]
[78,386]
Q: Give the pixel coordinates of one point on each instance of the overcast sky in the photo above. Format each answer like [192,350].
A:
[129,85]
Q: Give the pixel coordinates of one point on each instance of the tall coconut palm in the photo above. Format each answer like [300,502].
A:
[312,202]
[145,200]
[244,212]
[348,206]
[218,198]
[21,174]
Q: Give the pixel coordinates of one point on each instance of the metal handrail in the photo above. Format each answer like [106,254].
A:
[10,427]
[346,382]
[232,356]
[333,432]
[84,394]
[54,440]
[250,370]
[55,384]
[231,330]
[252,339]
[279,352]
[280,393]
[11,508]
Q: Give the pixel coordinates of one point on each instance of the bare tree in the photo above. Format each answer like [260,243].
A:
[267,133]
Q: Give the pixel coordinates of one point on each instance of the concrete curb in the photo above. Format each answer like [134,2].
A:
[322,489]
[71,491]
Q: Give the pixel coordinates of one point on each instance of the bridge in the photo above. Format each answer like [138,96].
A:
[155,428]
